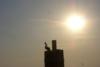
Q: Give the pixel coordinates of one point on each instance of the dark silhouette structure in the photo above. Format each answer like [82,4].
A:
[54,57]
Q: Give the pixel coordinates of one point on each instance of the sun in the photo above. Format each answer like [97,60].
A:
[76,22]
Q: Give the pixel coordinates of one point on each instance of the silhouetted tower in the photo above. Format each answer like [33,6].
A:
[54,57]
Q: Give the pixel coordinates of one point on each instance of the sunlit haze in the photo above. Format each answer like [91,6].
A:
[26,24]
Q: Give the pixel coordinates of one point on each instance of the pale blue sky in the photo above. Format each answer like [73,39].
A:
[26,24]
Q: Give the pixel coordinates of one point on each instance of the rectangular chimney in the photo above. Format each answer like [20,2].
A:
[54,45]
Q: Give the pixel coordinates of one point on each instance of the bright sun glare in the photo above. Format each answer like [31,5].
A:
[76,22]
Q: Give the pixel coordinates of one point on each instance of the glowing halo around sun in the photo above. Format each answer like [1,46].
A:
[76,22]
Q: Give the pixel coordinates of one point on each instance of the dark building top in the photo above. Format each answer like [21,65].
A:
[54,57]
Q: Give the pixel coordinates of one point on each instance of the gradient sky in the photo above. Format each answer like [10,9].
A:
[26,24]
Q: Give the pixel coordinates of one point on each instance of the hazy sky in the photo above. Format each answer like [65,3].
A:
[26,24]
